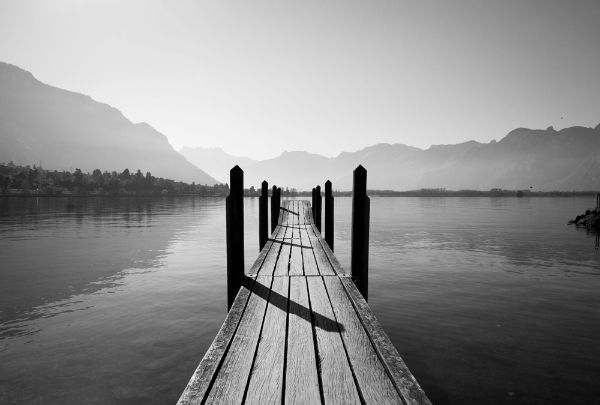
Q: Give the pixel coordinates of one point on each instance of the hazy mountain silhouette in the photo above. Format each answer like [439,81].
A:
[215,161]
[566,160]
[66,130]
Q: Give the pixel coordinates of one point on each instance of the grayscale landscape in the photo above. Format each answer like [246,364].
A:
[310,202]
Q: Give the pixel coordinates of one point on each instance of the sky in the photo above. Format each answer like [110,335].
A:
[261,77]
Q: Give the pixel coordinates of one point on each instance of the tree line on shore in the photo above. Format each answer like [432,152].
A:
[18,180]
[27,180]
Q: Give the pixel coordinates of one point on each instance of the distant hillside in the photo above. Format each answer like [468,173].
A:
[565,160]
[66,130]
[215,161]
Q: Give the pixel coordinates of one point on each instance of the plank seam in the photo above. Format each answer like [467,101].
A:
[315,343]
[312,249]
[377,349]
[360,394]
[381,359]
[222,359]
[335,266]
[278,251]
[285,349]
[262,324]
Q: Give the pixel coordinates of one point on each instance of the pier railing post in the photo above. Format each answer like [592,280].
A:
[360,232]
[329,214]
[318,202]
[263,211]
[274,209]
[234,229]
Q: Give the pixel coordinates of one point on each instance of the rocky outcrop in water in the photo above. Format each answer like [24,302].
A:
[591,219]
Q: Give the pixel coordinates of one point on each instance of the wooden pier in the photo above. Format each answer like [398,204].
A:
[298,330]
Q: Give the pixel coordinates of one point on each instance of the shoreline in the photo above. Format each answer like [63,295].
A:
[372,193]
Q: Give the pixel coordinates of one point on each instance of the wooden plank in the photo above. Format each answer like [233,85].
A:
[266,379]
[296,266]
[283,261]
[336,376]
[297,213]
[279,233]
[199,384]
[401,376]
[337,267]
[301,381]
[270,248]
[235,370]
[301,217]
[291,216]
[308,256]
[308,215]
[292,230]
[283,214]
[268,265]
[375,384]
[323,263]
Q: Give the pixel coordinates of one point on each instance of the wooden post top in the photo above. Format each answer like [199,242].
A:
[360,181]
[236,178]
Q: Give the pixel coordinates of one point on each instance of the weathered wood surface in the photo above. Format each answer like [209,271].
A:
[302,379]
[300,332]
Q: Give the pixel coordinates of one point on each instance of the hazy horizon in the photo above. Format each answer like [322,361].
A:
[258,79]
[280,152]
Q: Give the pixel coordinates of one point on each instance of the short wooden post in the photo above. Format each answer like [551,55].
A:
[274,209]
[329,214]
[318,201]
[360,232]
[234,229]
[263,220]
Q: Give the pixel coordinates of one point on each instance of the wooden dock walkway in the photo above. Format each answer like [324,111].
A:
[299,332]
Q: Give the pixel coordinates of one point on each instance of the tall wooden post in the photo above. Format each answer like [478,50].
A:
[360,232]
[263,212]
[234,229]
[312,205]
[329,214]
[318,202]
[278,205]
[598,201]
[274,209]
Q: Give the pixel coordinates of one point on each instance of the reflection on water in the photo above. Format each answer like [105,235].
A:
[92,290]
[67,248]
[488,300]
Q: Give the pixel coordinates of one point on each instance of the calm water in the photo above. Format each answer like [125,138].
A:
[488,300]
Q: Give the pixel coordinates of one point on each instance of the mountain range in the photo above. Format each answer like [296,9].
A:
[543,160]
[67,130]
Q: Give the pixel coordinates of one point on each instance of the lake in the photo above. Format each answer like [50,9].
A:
[115,301]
